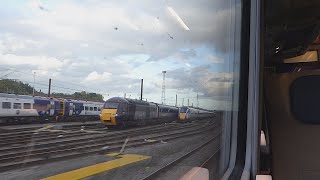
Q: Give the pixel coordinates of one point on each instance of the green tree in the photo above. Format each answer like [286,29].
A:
[18,87]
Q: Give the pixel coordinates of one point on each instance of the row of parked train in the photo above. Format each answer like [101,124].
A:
[119,111]
[115,111]
[23,108]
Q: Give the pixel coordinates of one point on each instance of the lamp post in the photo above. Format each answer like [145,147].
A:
[34,82]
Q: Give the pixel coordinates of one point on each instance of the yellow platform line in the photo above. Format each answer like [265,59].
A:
[99,168]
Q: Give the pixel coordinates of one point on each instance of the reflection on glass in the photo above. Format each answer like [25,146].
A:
[309,56]
[96,50]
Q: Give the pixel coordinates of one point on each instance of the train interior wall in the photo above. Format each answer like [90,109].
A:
[294,144]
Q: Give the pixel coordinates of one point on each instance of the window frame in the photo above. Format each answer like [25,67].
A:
[24,106]
[6,102]
[20,105]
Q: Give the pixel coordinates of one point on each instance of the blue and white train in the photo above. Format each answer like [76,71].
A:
[23,108]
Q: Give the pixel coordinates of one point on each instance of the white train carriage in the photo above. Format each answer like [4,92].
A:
[24,108]
[187,114]
[91,108]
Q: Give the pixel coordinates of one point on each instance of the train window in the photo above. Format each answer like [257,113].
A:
[111,105]
[16,105]
[26,105]
[183,110]
[6,105]
[98,51]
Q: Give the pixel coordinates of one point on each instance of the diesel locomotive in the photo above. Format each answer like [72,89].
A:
[124,112]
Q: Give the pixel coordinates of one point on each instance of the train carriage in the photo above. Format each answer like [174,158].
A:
[79,110]
[23,108]
[15,108]
[188,114]
[119,111]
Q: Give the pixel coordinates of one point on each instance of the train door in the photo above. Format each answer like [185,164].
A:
[148,112]
[131,111]
[62,108]
[71,109]
[51,107]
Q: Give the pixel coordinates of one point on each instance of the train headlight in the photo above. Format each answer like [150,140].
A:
[116,115]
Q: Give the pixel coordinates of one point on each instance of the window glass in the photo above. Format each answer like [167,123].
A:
[16,105]
[182,53]
[26,106]
[6,105]
[111,105]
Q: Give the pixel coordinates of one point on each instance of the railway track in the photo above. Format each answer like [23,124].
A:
[176,161]
[16,123]
[47,136]
[9,130]
[34,155]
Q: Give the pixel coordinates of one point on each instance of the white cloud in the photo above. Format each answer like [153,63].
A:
[84,45]
[94,76]
[89,42]
[215,59]
[41,62]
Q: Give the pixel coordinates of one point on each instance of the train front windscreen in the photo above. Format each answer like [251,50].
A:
[111,105]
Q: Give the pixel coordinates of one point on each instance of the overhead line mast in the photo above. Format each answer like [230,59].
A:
[163,94]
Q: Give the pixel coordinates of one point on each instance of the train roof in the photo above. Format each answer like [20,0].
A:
[16,96]
[167,106]
[83,101]
[24,96]
[136,101]
[127,100]
[189,107]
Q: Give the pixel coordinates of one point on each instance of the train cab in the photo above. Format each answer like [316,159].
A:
[113,111]
[183,113]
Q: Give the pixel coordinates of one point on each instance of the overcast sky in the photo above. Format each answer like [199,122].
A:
[108,46]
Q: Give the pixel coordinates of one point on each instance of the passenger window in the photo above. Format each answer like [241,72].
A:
[6,105]
[16,105]
[27,106]
[86,108]
[91,108]
[95,108]
[99,109]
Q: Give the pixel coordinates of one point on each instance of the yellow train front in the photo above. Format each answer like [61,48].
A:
[183,114]
[122,112]
[115,112]
[188,114]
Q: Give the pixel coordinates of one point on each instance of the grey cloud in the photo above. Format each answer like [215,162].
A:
[201,80]
[142,28]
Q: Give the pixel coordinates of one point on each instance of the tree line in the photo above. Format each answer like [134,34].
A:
[11,86]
